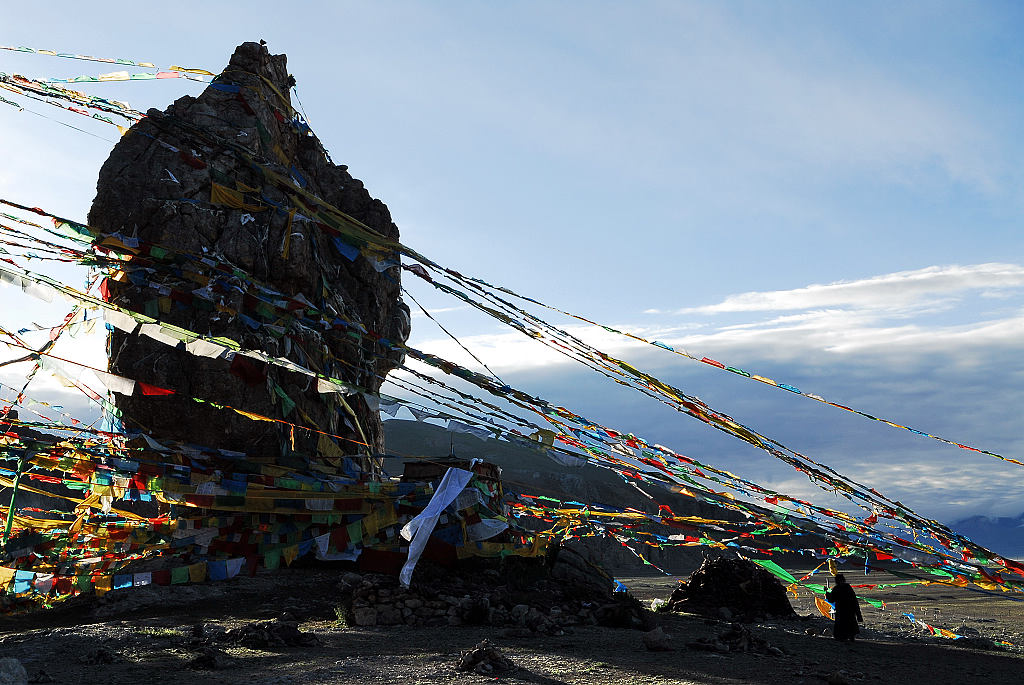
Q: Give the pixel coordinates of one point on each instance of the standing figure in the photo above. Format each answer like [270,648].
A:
[847,609]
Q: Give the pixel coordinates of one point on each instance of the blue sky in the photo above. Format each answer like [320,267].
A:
[826,194]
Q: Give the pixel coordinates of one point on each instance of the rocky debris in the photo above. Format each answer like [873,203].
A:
[474,595]
[736,638]
[12,672]
[485,659]
[838,678]
[977,642]
[657,640]
[624,612]
[966,630]
[210,659]
[220,177]
[732,589]
[40,676]
[101,655]
[263,634]
[136,599]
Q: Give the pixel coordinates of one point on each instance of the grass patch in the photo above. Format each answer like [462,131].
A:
[159,632]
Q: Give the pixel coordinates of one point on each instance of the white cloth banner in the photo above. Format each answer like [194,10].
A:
[156,332]
[203,348]
[419,529]
[119,320]
[460,427]
[118,384]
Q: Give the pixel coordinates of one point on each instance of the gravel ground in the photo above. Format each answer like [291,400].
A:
[283,629]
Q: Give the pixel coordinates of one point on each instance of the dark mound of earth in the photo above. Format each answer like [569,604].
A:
[734,589]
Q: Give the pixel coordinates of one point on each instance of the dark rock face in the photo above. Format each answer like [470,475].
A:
[164,184]
[735,587]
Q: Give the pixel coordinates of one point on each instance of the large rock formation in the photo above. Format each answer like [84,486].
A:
[233,177]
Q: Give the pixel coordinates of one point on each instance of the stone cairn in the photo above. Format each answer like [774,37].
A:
[524,594]
[732,589]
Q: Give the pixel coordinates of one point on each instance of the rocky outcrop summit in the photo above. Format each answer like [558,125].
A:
[226,186]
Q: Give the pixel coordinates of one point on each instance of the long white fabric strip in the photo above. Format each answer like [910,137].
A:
[419,529]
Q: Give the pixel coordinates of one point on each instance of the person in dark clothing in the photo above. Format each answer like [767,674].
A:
[847,609]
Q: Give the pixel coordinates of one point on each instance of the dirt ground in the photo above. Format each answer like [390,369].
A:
[155,635]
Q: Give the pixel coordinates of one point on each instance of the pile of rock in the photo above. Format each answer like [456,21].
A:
[485,659]
[732,589]
[736,638]
[489,596]
[263,634]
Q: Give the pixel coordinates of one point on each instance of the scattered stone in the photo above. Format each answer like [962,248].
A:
[838,678]
[202,634]
[262,634]
[978,642]
[657,640]
[40,676]
[736,638]
[101,655]
[12,672]
[365,616]
[485,659]
[474,611]
[350,580]
[210,659]
[519,612]
[522,594]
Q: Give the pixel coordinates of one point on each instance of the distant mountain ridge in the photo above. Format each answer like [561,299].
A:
[1001,534]
[532,471]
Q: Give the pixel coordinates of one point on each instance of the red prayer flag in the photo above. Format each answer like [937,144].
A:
[148,389]
[105,289]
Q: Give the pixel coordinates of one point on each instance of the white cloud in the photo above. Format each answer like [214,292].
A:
[890,317]
[416,313]
[890,292]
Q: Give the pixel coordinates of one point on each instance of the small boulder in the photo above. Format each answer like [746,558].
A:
[12,672]
[365,616]
[657,640]
[838,678]
[485,659]
[209,659]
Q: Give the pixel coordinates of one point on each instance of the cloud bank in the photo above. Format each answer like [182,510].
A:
[935,348]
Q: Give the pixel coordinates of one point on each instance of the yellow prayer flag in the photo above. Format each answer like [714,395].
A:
[222,195]
[197,572]
[202,72]
[327,447]
[103,585]
[281,156]
[6,576]
[289,554]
